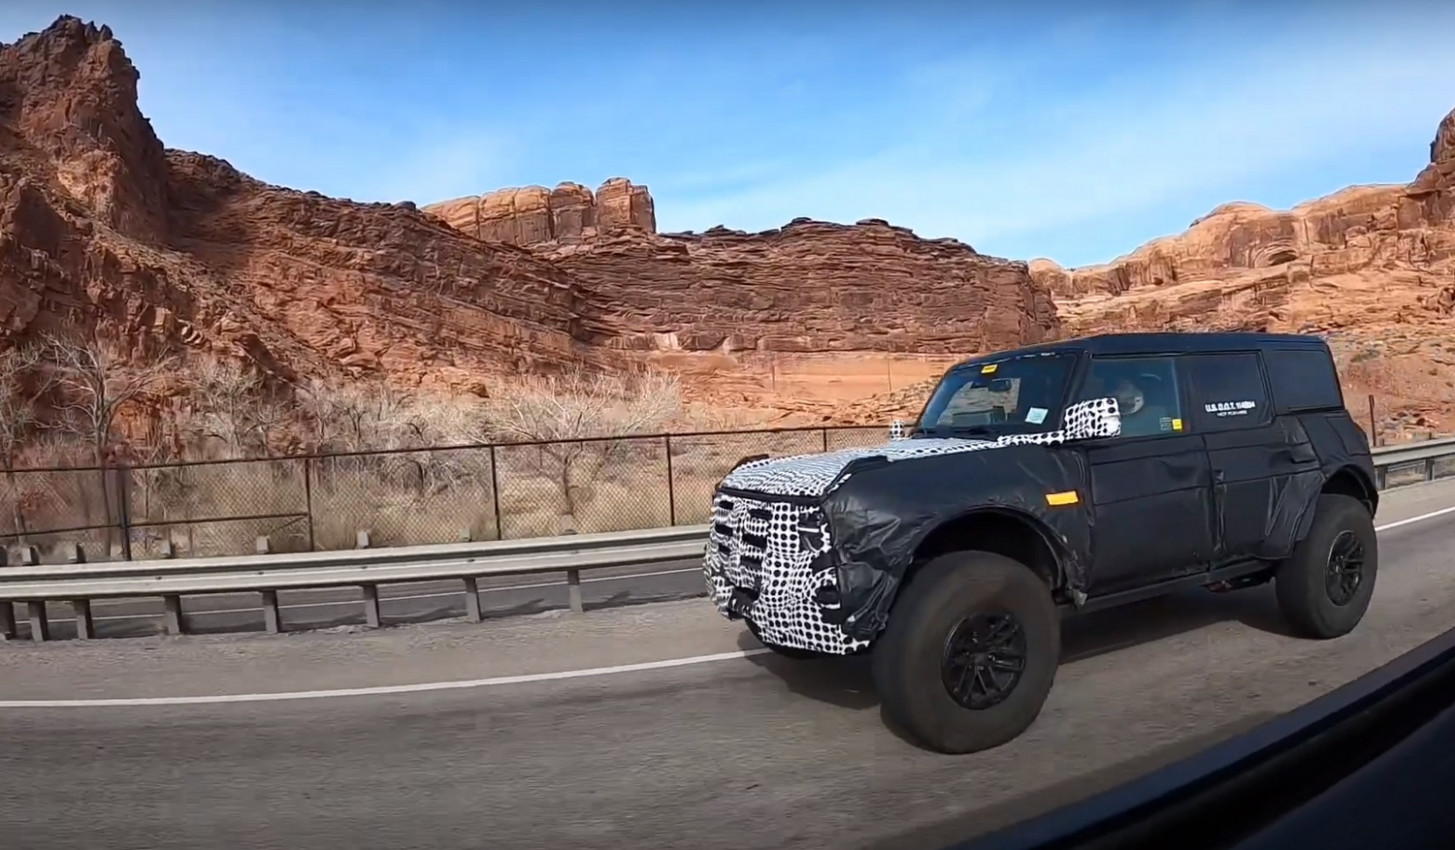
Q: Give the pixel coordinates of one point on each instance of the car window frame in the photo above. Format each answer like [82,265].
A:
[1183,399]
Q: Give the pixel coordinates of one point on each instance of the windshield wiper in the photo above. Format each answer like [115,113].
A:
[974,431]
[943,431]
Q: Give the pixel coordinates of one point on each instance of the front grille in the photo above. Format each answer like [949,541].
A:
[741,531]
[771,563]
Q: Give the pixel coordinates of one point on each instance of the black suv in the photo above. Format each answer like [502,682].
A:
[1052,480]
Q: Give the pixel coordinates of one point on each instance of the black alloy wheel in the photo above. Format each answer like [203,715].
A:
[1345,567]
[984,657]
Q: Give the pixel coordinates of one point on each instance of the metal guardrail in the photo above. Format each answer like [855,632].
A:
[368,568]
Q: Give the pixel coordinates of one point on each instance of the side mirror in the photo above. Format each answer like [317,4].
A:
[1096,417]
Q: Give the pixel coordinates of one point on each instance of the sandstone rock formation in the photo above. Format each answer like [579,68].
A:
[1372,267]
[103,230]
[568,213]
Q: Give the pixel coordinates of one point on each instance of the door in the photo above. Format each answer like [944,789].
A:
[1262,466]
[1151,487]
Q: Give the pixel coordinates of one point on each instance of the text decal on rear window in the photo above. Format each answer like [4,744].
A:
[1229,408]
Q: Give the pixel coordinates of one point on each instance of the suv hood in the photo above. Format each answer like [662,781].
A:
[811,475]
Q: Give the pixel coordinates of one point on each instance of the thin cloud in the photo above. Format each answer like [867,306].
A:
[1223,123]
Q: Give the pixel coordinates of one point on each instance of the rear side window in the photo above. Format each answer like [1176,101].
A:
[1227,390]
[1303,380]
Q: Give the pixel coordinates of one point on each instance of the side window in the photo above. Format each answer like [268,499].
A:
[1229,391]
[1303,379]
[1146,390]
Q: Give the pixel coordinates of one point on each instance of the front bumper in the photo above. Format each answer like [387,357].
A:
[772,563]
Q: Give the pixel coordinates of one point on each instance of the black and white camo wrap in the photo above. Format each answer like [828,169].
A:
[758,544]
[813,474]
[786,611]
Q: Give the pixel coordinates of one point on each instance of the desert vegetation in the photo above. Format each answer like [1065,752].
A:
[209,454]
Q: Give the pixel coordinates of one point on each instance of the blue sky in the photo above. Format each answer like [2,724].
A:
[1026,130]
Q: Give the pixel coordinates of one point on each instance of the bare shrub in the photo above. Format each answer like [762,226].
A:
[563,412]
[95,381]
[22,384]
[233,409]
[401,496]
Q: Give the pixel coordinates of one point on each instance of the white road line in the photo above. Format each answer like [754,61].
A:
[422,687]
[1399,522]
[385,690]
[382,599]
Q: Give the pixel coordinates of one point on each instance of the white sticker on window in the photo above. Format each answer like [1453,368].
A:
[1229,408]
[1036,415]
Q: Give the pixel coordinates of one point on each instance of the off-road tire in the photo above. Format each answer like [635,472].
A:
[908,656]
[786,651]
[1301,582]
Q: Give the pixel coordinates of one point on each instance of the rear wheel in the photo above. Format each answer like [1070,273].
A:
[1325,586]
[970,652]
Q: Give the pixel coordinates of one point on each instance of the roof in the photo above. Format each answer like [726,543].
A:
[1164,343]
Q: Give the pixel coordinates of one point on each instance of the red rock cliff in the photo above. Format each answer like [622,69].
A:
[1371,266]
[103,229]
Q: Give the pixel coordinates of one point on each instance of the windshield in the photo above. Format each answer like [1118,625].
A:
[1018,394]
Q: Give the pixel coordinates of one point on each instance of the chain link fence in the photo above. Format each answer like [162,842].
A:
[401,498]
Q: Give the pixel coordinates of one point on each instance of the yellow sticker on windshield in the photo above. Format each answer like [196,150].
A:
[1177,424]
[988,368]
[1067,498]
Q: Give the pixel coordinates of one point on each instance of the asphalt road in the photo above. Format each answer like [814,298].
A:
[745,752]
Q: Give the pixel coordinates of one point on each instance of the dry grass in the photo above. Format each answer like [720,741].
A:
[392,485]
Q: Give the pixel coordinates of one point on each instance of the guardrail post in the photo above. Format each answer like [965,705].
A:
[371,605]
[77,554]
[169,549]
[30,556]
[573,583]
[4,557]
[472,600]
[263,546]
[1381,477]
[361,539]
[172,619]
[85,625]
[7,620]
[40,623]
[1429,469]
[272,620]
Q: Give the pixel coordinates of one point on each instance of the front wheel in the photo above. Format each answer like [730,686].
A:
[1325,586]
[970,652]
